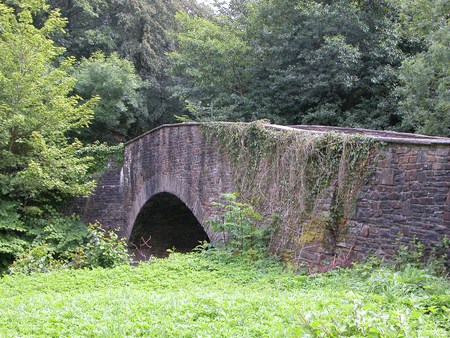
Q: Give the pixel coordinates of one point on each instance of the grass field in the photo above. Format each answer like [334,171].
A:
[197,295]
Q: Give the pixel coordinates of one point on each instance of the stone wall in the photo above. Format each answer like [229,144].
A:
[106,205]
[406,195]
[179,160]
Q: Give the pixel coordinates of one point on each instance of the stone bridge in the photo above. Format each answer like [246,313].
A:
[171,175]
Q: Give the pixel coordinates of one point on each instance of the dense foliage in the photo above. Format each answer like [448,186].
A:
[39,166]
[207,295]
[425,75]
[375,64]
[98,249]
[122,100]
[139,33]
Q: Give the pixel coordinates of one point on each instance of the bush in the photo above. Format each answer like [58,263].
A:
[101,249]
[417,255]
[238,226]
[39,259]
[61,232]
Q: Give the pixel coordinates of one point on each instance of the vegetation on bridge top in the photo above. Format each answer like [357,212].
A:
[293,177]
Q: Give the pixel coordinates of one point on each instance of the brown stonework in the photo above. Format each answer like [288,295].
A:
[406,195]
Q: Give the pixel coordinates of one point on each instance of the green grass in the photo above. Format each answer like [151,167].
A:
[196,295]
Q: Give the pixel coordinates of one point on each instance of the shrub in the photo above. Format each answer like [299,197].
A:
[103,249]
[100,249]
[238,225]
[39,259]
[416,254]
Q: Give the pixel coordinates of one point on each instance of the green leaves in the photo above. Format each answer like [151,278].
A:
[220,77]
[238,224]
[12,229]
[425,76]
[64,243]
[291,61]
[122,102]
[202,295]
[37,110]
[38,164]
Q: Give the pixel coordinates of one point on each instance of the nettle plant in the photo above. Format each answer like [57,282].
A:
[238,224]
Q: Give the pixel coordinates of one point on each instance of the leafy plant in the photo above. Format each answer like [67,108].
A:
[102,249]
[122,98]
[203,295]
[40,165]
[416,254]
[60,232]
[424,76]
[238,225]
[294,62]
[99,248]
[39,259]
[12,231]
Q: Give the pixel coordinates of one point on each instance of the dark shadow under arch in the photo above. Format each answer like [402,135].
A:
[165,222]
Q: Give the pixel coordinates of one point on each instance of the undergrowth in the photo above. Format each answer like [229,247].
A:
[100,248]
[218,294]
[305,183]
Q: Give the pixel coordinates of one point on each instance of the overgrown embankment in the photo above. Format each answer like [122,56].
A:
[304,182]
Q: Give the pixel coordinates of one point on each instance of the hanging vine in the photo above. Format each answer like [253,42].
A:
[306,180]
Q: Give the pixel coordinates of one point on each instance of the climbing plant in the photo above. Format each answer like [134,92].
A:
[308,180]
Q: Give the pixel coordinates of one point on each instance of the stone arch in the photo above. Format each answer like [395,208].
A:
[158,184]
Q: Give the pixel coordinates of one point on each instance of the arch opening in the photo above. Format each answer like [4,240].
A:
[165,222]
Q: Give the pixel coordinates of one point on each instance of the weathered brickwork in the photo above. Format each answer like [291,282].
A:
[406,195]
[405,198]
[175,159]
[106,204]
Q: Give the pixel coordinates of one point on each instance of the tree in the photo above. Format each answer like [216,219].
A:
[425,74]
[122,102]
[89,26]
[296,61]
[328,63]
[144,34]
[138,31]
[39,166]
[212,56]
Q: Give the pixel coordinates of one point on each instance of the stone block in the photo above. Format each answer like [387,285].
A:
[439,199]
[417,208]
[404,159]
[393,196]
[412,159]
[402,150]
[430,158]
[422,177]
[365,231]
[411,175]
[443,151]
[387,177]
[440,166]
[406,208]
